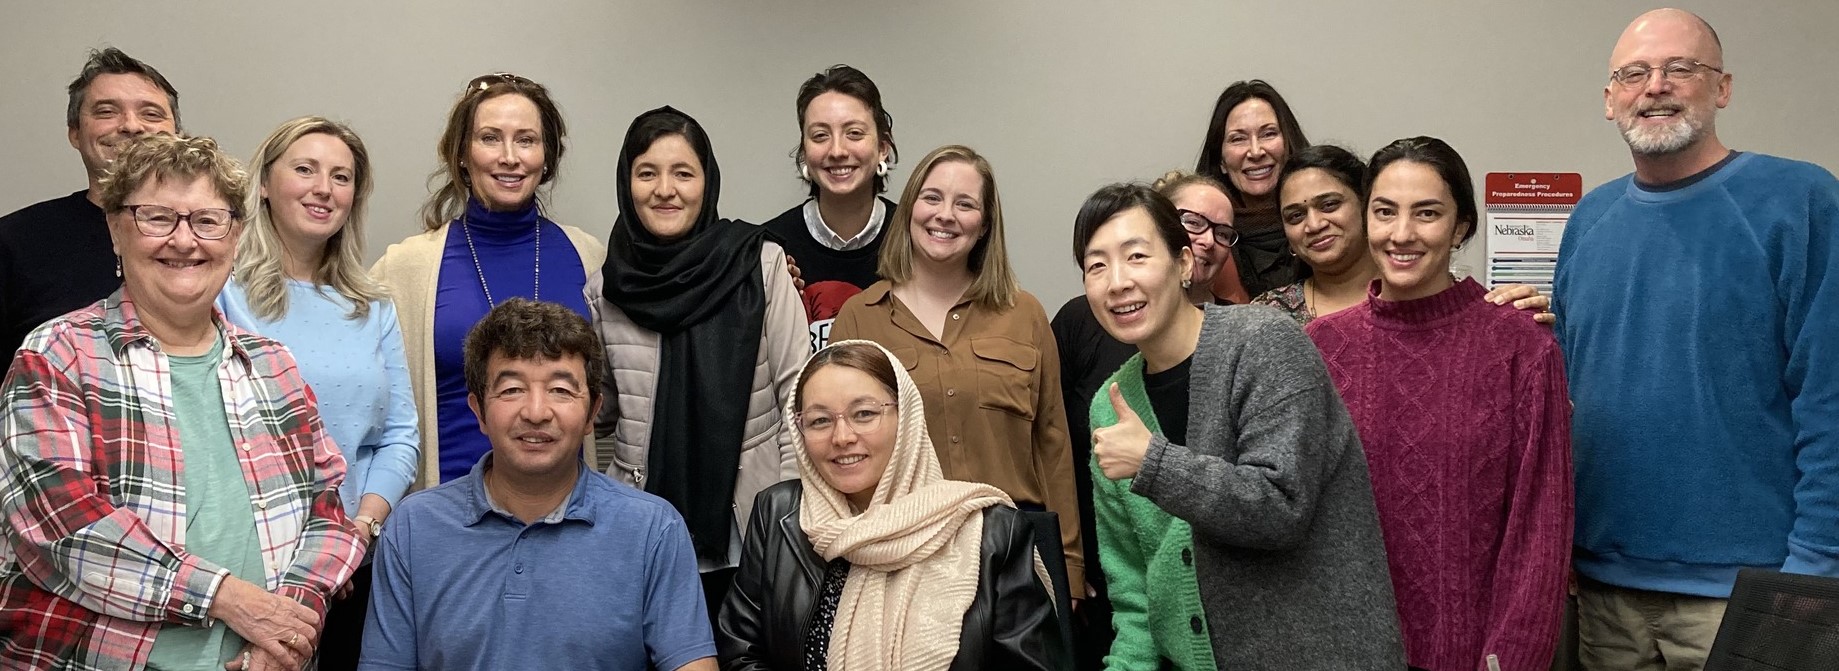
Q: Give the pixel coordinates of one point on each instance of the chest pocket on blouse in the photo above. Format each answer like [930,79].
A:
[275,440]
[909,359]
[1006,375]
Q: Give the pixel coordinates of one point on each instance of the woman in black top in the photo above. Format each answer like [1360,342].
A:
[1251,134]
[845,151]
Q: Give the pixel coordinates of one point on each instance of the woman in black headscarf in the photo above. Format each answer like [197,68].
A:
[705,335]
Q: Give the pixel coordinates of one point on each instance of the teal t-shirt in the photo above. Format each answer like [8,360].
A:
[219,520]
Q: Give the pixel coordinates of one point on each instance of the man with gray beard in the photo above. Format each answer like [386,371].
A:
[1698,310]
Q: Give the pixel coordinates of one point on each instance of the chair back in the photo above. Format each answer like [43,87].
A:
[1778,622]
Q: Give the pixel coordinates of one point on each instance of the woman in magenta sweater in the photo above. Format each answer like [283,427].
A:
[1461,408]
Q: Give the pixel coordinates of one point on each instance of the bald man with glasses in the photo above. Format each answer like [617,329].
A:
[1698,310]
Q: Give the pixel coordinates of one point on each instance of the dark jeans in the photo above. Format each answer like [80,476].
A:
[343,638]
[715,585]
[1092,632]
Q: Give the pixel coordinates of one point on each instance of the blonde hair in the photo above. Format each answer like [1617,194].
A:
[1174,181]
[261,257]
[993,285]
[161,156]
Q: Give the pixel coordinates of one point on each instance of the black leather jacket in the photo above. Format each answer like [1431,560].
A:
[1010,623]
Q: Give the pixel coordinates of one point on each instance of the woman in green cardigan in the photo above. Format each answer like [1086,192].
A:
[1235,516]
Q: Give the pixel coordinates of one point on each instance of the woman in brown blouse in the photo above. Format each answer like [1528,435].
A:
[977,345]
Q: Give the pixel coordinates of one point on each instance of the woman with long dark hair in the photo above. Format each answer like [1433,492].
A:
[1463,413]
[1251,134]
[1322,194]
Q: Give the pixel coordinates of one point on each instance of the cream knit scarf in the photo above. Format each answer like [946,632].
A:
[920,532]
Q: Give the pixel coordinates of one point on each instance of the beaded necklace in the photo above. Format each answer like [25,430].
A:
[536,291]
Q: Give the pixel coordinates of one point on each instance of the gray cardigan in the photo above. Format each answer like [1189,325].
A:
[1288,553]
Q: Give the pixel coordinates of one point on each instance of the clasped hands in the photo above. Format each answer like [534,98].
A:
[281,633]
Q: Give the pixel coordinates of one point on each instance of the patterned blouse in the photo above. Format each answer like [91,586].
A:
[93,509]
[817,637]
[1290,299]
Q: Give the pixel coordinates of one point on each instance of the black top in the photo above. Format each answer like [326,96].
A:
[831,277]
[1168,396]
[1263,253]
[817,637]
[703,294]
[1088,355]
[818,263]
[55,257]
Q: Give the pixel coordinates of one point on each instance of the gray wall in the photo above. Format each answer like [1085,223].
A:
[1062,96]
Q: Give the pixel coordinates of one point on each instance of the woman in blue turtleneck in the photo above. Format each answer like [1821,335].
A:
[485,243]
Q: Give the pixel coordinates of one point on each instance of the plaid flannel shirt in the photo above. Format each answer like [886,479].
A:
[91,510]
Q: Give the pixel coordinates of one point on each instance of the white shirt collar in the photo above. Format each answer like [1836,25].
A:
[814,222]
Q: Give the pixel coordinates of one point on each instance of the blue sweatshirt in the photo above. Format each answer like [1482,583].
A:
[359,376]
[1700,328]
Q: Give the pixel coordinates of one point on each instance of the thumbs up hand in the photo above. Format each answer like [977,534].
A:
[1119,448]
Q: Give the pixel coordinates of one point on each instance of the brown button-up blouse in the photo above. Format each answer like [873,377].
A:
[992,392]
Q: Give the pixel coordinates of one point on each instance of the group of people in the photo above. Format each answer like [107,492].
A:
[849,439]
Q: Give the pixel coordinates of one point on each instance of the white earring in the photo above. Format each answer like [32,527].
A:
[1186,284]
[804,172]
[881,169]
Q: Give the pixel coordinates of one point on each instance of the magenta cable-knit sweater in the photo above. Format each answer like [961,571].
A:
[1462,410]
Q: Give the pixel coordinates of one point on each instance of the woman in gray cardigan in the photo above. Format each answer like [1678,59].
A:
[1252,477]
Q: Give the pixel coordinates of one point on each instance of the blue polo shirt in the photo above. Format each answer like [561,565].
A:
[608,581]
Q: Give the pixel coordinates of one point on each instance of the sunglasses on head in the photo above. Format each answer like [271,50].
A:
[483,82]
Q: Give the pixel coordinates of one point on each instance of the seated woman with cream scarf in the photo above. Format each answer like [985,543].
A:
[838,583]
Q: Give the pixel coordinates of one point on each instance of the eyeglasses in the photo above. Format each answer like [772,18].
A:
[159,221]
[1678,71]
[483,82]
[864,418]
[1196,222]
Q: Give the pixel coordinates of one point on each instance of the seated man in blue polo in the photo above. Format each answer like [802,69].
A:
[534,560]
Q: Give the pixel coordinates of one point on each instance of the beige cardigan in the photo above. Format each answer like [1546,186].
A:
[632,357]
[411,270]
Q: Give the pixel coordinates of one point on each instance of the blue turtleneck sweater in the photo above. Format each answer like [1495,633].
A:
[507,244]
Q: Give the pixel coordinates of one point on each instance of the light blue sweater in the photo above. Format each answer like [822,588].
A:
[1700,328]
[360,376]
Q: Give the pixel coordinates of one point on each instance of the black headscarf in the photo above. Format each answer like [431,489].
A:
[703,295]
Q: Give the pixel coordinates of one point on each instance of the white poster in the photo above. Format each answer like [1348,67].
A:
[1523,246]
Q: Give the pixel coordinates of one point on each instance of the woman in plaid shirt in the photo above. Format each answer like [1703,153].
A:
[168,496]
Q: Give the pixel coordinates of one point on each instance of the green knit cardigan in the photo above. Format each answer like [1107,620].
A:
[1148,557]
